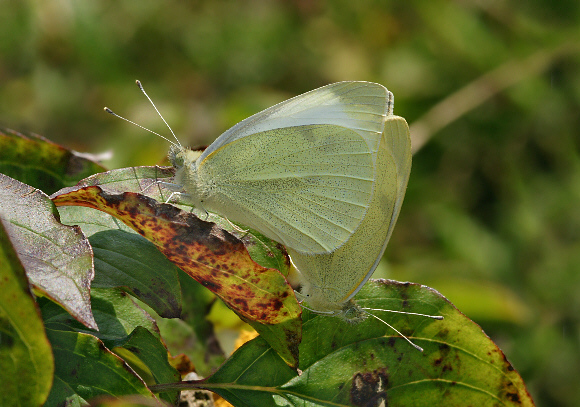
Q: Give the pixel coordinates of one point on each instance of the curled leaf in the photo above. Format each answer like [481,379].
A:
[57,258]
[39,162]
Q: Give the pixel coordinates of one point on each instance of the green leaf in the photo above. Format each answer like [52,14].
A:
[251,375]
[26,360]
[128,401]
[265,252]
[144,180]
[206,353]
[125,328]
[85,365]
[130,261]
[90,220]
[62,394]
[147,355]
[57,258]
[346,364]
[41,163]
[116,314]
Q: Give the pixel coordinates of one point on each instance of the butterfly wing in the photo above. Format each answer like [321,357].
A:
[307,187]
[359,106]
[330,280]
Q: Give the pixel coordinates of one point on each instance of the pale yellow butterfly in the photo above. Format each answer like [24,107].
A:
[330,280]
[301,172]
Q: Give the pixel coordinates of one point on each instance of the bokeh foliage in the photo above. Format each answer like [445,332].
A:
[491,218]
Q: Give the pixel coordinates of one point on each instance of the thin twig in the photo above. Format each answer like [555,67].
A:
[482,89]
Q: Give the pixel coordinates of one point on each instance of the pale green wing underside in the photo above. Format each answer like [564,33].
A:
[329,280]
[307,187]
[359,106]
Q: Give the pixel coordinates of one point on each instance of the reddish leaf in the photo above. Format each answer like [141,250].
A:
[211,256]
[57,258]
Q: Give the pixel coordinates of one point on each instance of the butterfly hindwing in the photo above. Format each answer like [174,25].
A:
[331,279]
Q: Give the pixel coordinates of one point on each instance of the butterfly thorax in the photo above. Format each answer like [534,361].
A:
[186,174]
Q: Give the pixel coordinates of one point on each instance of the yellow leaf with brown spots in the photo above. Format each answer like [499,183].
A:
[210,255]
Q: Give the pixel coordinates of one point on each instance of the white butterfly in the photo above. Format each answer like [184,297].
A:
[330,280]
[301,172]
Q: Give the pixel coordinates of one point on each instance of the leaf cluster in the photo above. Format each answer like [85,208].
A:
[86,272]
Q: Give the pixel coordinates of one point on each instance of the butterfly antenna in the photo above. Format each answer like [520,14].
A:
[138,125]
[420,349]
[406,313]
[155,107]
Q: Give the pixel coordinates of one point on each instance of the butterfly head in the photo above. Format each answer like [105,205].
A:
[176,156]
[352,313]
[181,157]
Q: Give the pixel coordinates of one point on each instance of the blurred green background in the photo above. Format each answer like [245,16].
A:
[491,90]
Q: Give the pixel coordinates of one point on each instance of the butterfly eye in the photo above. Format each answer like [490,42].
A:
[179,161]
[175,156]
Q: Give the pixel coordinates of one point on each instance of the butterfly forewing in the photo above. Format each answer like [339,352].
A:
[359,106]
[307,187]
